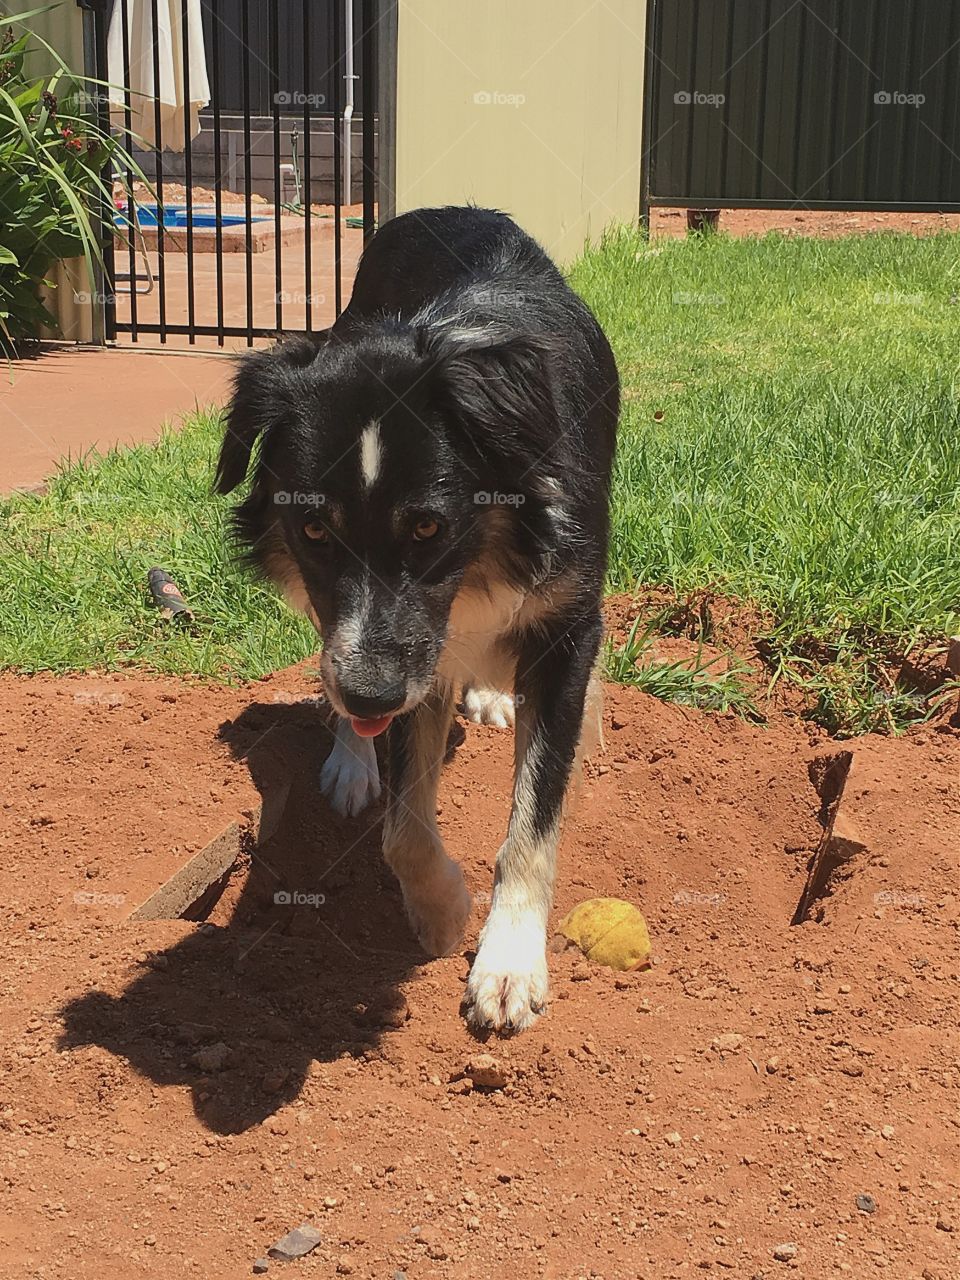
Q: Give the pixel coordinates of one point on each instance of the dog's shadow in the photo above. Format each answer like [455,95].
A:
[301,958]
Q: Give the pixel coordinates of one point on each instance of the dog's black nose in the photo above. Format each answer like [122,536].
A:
[373,706]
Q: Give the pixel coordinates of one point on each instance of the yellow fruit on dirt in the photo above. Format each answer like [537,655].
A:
[609,931]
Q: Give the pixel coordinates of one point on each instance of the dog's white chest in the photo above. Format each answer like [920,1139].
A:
[474,653]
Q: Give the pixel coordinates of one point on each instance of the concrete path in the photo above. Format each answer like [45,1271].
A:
[69,400]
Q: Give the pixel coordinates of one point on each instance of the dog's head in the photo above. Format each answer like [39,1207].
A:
[390,465]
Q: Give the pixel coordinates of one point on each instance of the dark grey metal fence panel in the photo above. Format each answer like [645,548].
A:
[293,78]
[813,103]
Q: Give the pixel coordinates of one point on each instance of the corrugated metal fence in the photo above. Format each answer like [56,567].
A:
[850,104]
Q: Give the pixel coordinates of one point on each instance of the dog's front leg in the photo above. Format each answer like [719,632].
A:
[507,987]
[434,891]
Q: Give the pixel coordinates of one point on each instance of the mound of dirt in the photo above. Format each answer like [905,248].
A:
[177,1095]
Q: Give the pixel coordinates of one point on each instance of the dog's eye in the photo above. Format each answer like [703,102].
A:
[315,531]
[425,529]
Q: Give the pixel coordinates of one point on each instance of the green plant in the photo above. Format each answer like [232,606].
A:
[696,684]
[51,189]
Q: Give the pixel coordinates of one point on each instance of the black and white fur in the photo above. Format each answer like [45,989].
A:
[432,489]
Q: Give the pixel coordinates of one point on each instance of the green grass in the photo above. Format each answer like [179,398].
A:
[808,456]
[74,563]
[697,683]
[790,436]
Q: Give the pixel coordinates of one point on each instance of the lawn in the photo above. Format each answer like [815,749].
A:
[789,436]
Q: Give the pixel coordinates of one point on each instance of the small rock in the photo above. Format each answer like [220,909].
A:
[887,1131]
[728,1043]
[486,1071]
[296,1243]
[672,1139]
[213,1057]
[866,1204]
[772,1065]
[944,1223]
[260,1266]
[581,972]
[274,1080]
[785,1252]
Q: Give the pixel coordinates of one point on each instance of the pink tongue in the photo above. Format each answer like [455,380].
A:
[370,728]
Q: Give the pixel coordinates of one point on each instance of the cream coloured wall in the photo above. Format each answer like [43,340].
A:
[531,106]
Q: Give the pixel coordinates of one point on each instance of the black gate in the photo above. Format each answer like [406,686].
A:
[242,230]
[817,104]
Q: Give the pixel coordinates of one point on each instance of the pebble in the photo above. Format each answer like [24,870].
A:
[260,1266]
[772,1065]
[944,1223]
[274,1080]
[866,1204]
[728,1043]
[296,1243]
[785,1252]
[213,1057]
[672,1139]
[486,1071]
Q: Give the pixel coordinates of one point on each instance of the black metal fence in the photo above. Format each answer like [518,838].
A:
[241,236]
[850,104]
[223,25]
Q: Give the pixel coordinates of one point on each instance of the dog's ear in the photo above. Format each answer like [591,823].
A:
[262,392]
[500,387]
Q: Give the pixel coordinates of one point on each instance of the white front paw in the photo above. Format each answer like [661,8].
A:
[350,777]
[508,984]
[489,706]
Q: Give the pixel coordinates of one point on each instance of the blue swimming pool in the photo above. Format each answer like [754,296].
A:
[175,215]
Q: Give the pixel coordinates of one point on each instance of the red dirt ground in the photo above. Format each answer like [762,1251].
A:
[736,1098]
[806,222]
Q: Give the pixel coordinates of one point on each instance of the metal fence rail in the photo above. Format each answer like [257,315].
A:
[233,244]
[819,104]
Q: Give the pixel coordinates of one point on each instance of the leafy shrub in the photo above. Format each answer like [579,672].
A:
[51,191]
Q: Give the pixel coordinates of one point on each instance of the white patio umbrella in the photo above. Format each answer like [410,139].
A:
[179,119]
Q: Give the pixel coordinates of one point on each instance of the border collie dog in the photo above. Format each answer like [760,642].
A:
[431,488]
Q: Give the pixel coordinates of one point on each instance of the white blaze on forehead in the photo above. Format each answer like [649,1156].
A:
[370,452]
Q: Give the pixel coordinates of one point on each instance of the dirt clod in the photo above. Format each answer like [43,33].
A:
[213,1057]
[486,1071]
